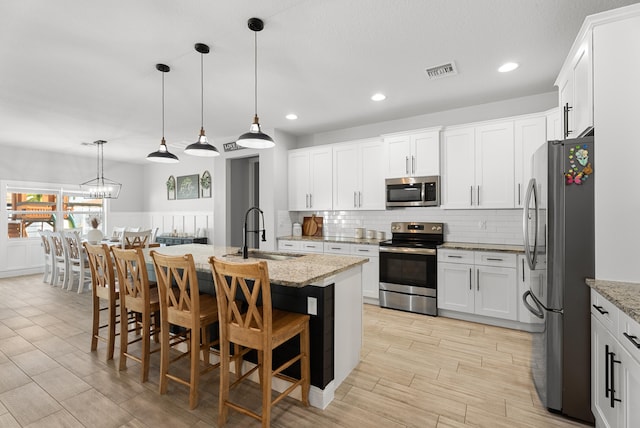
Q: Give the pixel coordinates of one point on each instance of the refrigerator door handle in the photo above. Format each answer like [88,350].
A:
[535,311]
[531,193]
[539,304]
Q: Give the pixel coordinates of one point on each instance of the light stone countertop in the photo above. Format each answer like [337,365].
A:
[295,272]
[518,249]
[625,295]
[337,239]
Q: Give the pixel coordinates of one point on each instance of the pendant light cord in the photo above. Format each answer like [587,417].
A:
[255,70]
[102,161]
[163,105]
[201,90]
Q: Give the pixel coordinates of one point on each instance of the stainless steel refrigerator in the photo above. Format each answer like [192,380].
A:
[558,227]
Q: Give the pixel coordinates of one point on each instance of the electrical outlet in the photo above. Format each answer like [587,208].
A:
[482,224]
[312,306]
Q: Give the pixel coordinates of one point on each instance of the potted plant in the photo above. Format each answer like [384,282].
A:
[94,236]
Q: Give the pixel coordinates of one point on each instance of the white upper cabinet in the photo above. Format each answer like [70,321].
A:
[358,181]
[530,134]
[413,154]
[575,87]
[554,125]
[310,179]
[478,164]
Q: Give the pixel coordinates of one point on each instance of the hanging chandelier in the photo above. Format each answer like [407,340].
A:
[101,187]
[255,138]
[202,146]
[163,155]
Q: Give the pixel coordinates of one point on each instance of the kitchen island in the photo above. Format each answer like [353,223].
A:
[327,287]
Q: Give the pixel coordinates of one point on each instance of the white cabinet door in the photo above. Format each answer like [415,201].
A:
[629,390]
[398,153]
[496,292]
[425,154]
[346,182]
[530,134]
[298,180]
[583,89]
[370,271]
[602,345]
[456,287]
[458,164]
[358,182]
[372,195]
[320,164]
[494,167]
[554,125]
[565,92]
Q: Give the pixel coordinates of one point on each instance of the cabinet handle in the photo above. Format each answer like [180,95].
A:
[354,200]
[600,309]
[406,165]
[471,195]
[519,201]
[566,120]
[454,257]
[470,279]
[613,380]
[363,251]
[493,259]
[606,371]
[478,200]
[413,165]
[478,280]
[310,200]
[632,339]
[359,199]
[522,270]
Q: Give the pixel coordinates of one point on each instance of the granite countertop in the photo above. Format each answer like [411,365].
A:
[625,295]
[338,239]
[295,272]
[519,249]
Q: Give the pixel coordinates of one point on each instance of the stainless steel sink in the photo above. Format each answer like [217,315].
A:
[266,255]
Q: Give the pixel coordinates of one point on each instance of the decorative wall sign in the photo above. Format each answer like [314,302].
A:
[232,146]
[188,186]
[171,188]
[205,185]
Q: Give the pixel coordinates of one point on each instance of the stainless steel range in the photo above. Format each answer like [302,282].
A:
[408,267]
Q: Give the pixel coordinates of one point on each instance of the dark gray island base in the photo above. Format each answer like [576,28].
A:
[324,286]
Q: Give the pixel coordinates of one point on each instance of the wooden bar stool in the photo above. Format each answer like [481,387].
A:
[136,296]
[182,305]
[103,285]
[258,327]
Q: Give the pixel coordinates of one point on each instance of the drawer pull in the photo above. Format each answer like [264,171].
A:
[600,309]
[454,257]
[363,251]
[494,259]
[632,339]
[336,248]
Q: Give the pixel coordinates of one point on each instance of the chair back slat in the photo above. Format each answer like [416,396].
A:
[136,239]
[44,235]
[133,278]
[102,272]
[250,282]
[58,246]
[72,242]
[178,287]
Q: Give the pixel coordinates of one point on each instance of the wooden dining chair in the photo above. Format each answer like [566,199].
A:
[59,259]
[48,256]
[182,305]
[259,327]
[137,297]
[104,287]
[136,239]
[77,263]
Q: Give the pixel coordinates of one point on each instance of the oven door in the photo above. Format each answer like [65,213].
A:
[408,279]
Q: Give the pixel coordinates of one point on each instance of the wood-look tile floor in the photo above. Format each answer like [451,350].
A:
[415,371]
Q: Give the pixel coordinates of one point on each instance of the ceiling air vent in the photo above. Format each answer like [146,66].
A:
[443,70]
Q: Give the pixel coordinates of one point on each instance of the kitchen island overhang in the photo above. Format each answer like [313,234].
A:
[327,287]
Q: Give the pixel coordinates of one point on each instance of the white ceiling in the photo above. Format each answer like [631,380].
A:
[74,71]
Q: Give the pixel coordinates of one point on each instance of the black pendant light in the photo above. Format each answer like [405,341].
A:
[101,187]
[163,155]
[202,146]
[255,138]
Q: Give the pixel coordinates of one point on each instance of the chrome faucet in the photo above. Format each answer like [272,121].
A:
[245,250]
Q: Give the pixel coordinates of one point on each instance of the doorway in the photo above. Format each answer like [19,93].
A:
[243,189]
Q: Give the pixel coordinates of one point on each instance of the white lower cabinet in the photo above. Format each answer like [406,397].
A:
[478,282]
[615,366]
[300,246]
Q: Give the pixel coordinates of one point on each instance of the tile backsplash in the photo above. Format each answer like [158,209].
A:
[475,226]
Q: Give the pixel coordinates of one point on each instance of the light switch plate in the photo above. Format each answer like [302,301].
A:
[312,306]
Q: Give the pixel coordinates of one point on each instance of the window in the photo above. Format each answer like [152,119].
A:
[31,210]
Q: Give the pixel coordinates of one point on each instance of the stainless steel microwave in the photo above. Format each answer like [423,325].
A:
[413,191]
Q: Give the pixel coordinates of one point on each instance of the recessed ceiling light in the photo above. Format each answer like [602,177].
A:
[509,66]
[292,116]
[378,97]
